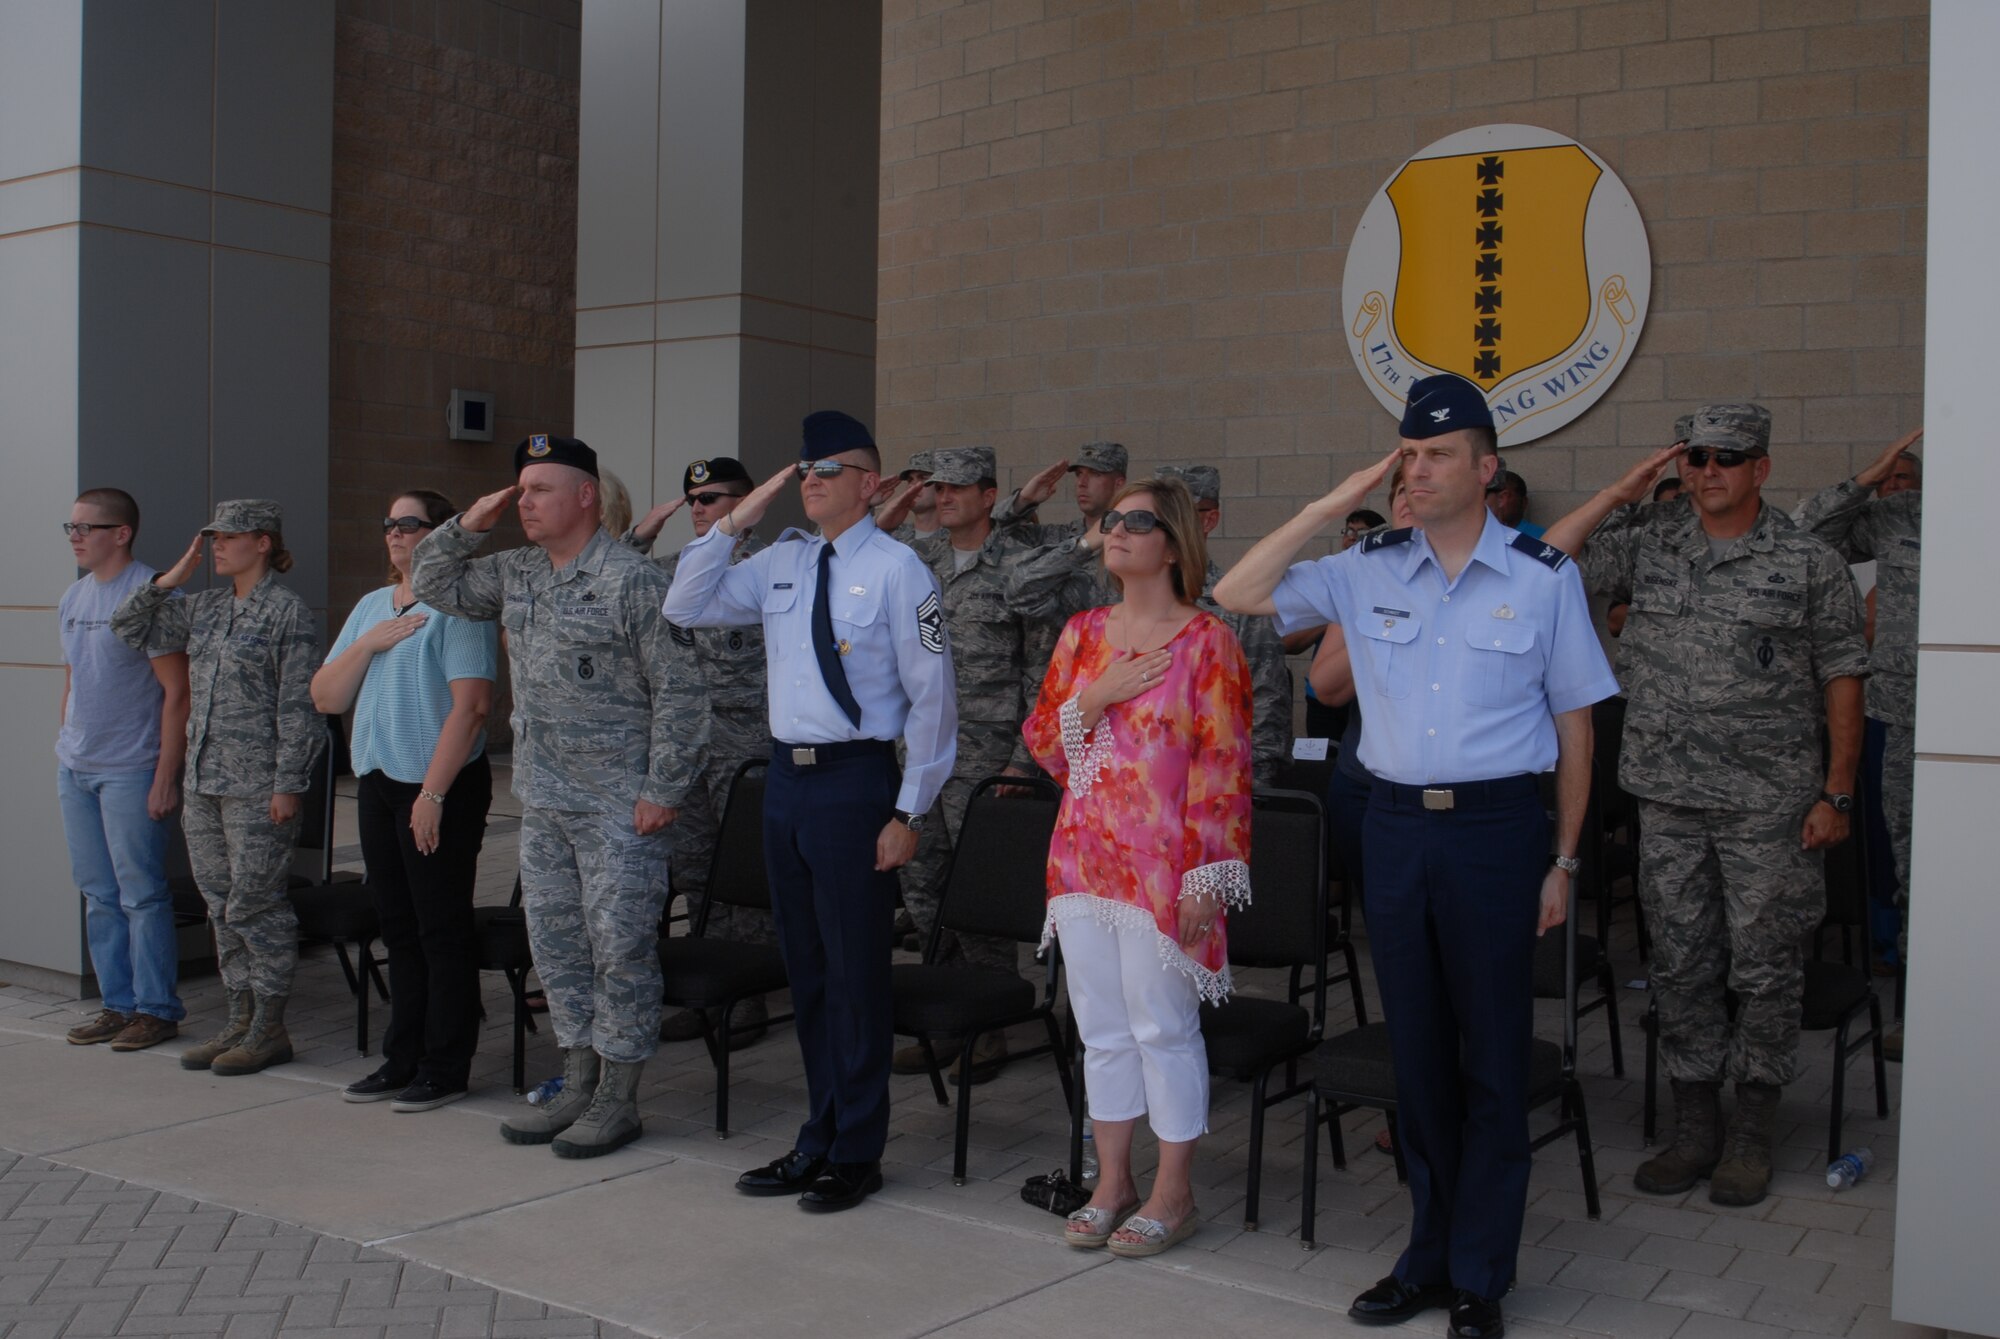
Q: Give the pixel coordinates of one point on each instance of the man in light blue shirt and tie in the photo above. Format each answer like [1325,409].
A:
[1475,658]
[855,646]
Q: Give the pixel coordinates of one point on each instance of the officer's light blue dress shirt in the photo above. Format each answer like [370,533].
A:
[1462,678]
[898,669]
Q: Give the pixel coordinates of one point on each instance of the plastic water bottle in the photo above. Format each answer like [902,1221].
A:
[1849,1167]
[547,1089]
[1089,1152]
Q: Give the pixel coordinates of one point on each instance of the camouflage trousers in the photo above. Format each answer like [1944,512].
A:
[1899,780]
[983,750]
[695,833]
[1728,896]
[593,889]
[243,865]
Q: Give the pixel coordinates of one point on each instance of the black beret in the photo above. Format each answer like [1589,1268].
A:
[1441,404]
[829,432]
[543,449]
[714,470]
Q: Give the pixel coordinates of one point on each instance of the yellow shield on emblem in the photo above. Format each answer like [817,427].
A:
[1493,278]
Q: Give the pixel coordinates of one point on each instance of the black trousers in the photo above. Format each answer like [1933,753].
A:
[425,903]
[833,911]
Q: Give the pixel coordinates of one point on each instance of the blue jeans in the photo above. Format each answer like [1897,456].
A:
[119,858]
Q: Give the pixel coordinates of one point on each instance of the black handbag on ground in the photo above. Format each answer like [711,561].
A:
[1056,1193]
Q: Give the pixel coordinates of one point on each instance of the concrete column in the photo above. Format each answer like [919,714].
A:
[726,229]
[165,182]
[1948,1193]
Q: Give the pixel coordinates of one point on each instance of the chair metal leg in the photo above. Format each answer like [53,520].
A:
[1834,1112]
[1254,1181]
[1060,1054]
[720,1049]
[1333,1139]
[1881,1068]
[1586,1159]
[1309,1189]
[1354,984]
[1610,985]
[1650,1121]
[936,1072]
[519,989]
[962,1135]
[373,966]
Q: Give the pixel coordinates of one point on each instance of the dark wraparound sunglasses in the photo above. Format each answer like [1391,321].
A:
[409,525]
[1136,522]
[709,499]
[826,469]
[1699,456]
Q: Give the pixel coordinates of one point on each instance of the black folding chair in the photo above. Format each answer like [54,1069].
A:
[500,938]
[1284,926]
[715,975]
[997,887]
[337,910]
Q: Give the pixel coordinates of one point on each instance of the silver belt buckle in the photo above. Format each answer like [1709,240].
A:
[804,757]
[1439,799]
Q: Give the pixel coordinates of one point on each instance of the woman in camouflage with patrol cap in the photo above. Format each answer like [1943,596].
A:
[252,739]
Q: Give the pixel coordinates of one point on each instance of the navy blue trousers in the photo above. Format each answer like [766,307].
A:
[833,913]
[1452,897]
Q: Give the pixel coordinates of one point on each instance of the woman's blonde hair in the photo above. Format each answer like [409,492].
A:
[279,559]
[614,502]
[1186,545]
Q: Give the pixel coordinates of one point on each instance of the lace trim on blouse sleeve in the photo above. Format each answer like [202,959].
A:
[1085,751]
[1228,881]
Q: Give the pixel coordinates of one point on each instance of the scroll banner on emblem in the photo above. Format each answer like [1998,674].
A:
[1510,255]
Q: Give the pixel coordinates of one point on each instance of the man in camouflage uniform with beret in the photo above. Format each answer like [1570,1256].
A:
[731,661]
[1862,524]
[1743,644]
[610,721]
[993,650]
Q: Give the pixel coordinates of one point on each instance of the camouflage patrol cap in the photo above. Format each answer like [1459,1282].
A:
[1733,427]
[241,515]
[962,465]
[921,462]
[1683,426]
[1204,482]
[1104,457]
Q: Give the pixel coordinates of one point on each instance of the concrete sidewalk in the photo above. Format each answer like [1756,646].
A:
[653,1239]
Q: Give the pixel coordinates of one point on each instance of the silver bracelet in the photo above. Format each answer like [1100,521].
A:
[432,796]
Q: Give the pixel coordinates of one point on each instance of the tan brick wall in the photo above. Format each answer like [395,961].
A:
[1130,219]
[454,251]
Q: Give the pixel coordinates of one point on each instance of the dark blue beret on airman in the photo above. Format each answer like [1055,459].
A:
[540,448]
[1442,404]
[829,432]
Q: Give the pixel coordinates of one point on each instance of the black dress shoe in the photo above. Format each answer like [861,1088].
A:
[427,1095]
[1473,1317]
[787,1176]
[842,1186]
[377,1087]
[1392,1301]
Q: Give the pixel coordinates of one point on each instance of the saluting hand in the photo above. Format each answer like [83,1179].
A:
[1886,462]
[177,575]
[480,516]
[1043,486]
[654,521]
[1355,488]
[752,508]
[1637,484]
[902,498]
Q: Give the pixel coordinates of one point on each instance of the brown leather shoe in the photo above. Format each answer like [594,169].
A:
[145,1030]
[104,1027]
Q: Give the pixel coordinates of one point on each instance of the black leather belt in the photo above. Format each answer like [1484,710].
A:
[1460,794]
[812,755]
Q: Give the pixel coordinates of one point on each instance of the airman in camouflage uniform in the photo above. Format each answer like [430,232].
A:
[924,506]
[1889,530]
[731,664]
[610,722]
[252,735]
[992,652]
[1741,647]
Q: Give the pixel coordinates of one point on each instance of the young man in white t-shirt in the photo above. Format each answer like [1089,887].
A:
[123,739]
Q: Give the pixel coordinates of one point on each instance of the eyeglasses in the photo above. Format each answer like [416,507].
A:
[826,469]
[1699,456]
[1357,530]
[84,529]
[409,525]
[709,499]
[1135,522]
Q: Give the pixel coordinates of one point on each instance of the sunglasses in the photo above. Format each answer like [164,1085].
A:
[1135,522]
[709,499]
[1699,456]
[409,525]
[826,469]
[84,529]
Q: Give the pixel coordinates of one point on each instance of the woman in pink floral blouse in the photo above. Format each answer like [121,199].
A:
[1145,720]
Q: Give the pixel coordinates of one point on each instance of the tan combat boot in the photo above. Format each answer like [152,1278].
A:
[538,1125]
[1696,1146]
[242,1004]
[265,1044]
[613,1118]
[1745,1171]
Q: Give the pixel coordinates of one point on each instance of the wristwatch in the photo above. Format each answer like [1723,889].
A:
[1569,865]
[1842,804]
[914,822]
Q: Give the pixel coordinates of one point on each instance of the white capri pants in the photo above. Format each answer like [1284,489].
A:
[1140,1021]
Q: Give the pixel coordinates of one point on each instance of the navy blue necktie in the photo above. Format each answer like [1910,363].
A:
[828,654]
